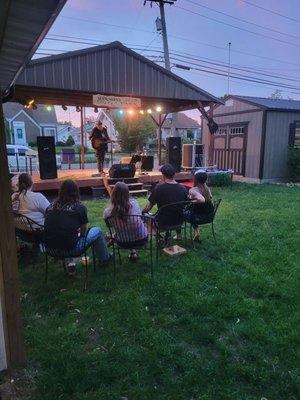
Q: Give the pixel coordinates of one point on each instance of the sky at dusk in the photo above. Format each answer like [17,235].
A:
[198,32]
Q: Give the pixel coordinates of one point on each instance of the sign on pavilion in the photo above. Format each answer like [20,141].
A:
[102,100]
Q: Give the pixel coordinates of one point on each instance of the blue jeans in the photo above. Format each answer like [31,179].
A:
[96,239]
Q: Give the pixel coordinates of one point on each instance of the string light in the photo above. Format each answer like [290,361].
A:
[158,109]
[121,112]
[48,108]
[30,102]
[142,112]
[130,112]
[149,111]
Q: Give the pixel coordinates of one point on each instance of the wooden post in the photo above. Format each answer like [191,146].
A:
[211,138]
[82,137]
[159,139]
[9,276]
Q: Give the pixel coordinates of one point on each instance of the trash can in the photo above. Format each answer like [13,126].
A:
[67,156]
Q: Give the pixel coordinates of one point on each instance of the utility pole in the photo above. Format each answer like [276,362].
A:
[229,62]
[161,27]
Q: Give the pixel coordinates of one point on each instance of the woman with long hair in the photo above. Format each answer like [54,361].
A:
[203,207]
[66,225]
[123,208]
[30,204]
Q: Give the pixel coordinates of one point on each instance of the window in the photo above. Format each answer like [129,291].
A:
[294,140]
[221,131]
[236,130]
[49,132]
[19,133]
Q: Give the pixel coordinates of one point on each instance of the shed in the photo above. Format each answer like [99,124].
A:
[254,136]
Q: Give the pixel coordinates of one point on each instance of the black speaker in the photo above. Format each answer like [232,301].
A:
[122,171]
[173,144]
[147,163]
[47,157]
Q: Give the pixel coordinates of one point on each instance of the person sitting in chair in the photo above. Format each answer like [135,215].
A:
[127,229]
[203,208]
[168,192]
[32,205]
[66,225]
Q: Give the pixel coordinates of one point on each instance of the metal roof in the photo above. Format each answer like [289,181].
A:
[274,104]
[111,69]
[23,26]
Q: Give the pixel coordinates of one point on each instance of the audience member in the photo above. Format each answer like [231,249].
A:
[30,204]
[66,225]
[202,208]
[167,192]
[127,229]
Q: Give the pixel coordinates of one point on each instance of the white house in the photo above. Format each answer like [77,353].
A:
[185,126]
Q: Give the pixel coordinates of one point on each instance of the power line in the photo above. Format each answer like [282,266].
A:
[271,11]
[237,27]
[143,49]
[93,42]
[243,20]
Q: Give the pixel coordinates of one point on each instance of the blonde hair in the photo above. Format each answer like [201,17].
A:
[120,200]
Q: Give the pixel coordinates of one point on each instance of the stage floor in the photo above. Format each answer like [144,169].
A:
[84,179]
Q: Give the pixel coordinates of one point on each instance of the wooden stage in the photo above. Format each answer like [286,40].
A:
[84,179]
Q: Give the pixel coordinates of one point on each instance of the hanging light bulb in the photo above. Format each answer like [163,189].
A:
[149,111]
[77,108]
[142,112]
[48,108]
[158,109]
[121,112]
[130,112]
[64,107]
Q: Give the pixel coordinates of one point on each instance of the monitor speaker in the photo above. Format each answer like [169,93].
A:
[147,163]
[120,171]
[192,155]
[173,144]
[47,157]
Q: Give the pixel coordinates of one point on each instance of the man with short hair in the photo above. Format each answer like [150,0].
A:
[168,192]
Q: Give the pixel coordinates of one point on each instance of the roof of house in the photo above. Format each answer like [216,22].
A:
[274,104]
[111,69]
[182,122]
[41,115]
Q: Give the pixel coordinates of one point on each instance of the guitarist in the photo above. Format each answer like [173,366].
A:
[99,138]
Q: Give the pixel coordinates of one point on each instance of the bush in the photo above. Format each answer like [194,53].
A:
[294,163]
[219,179]
[60,144]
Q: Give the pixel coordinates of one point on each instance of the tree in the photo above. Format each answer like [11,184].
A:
[134,131]
[277,94]
[70,141]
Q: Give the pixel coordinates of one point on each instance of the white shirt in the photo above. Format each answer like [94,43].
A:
[33,205]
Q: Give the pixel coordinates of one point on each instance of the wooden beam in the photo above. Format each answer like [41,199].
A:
[82,137]
[9,262]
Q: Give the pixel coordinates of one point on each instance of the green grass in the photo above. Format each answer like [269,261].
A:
[220,322]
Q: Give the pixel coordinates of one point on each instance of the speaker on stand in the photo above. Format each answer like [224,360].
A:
[47,157]
[173,156]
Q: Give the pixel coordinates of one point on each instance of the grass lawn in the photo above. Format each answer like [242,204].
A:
[220,322]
